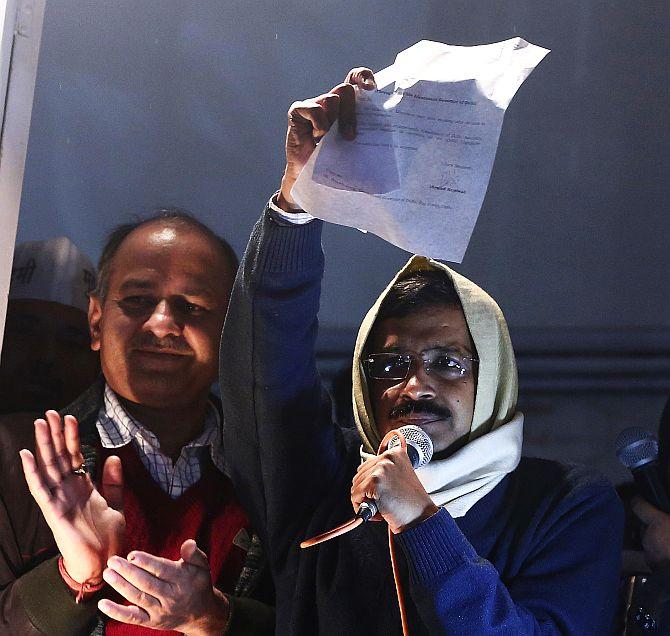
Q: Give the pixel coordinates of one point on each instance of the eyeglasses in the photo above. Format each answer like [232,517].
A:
[448,365]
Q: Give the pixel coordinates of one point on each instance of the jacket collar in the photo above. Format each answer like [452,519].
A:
[86,408]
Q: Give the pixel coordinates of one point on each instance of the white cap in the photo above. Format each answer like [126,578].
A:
[54,270]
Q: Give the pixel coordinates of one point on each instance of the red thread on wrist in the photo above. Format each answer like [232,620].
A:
[84,590]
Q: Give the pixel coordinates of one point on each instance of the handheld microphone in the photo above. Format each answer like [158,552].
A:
[637,450]
[419,451]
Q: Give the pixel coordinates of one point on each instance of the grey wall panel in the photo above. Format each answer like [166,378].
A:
[162,102]
[147,103]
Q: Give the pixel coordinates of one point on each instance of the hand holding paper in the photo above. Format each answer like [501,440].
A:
[417,171]
[309,120]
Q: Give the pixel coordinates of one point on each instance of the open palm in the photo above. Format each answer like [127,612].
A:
[88,525]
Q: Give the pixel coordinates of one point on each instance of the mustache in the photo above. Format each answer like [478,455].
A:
[419,406]
[169,344]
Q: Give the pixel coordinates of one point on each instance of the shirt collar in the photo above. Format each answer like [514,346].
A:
[118,428]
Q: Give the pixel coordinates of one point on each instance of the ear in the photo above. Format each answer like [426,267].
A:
[94,318]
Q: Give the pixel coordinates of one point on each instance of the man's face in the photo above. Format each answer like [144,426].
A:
[439,400]
[46,359]
[159,325]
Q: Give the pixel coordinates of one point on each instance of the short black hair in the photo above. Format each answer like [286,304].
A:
[171,217]
[419,290]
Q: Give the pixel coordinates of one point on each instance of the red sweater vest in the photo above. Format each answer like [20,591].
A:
[155,523]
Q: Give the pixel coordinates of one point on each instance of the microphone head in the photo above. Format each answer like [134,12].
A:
[419,445]
[636,447]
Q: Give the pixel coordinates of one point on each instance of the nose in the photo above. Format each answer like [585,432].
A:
[163,322]
[418,384]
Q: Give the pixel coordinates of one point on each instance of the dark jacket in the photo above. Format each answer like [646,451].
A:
[33,597]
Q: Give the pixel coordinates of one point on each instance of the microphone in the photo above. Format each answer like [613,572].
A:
[637,450]
[419,451]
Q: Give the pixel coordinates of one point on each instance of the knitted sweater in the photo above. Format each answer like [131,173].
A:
[538,555]
[155,523]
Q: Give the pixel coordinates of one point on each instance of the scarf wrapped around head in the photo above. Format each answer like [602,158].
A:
[494,444]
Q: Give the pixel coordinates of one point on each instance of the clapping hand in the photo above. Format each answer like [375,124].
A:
[88,525]
[164,594]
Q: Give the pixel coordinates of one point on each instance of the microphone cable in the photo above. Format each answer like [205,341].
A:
[347,526]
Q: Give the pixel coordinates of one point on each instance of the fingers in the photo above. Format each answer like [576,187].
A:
[330,102]
[394,456]
[158,567]
[366,482]
[112,482]
[57,447]
[372,473]
[45,454]
[71,433]
[61,455]
[123,613]
[362,77]
[36,484]
[645,512]
[130,592]
[347,110]
[339,103]
[137,584]
[193,555]
[310,118]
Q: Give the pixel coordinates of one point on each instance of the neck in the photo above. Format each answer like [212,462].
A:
[174,427]
[453,447]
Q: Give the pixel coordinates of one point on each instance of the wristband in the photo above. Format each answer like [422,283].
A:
[84,590]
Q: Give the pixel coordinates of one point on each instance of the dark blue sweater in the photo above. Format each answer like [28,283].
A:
[538,555]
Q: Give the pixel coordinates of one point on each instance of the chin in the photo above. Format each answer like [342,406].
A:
[163,396]
[155,391]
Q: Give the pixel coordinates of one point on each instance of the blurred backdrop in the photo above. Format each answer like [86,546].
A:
[167,103]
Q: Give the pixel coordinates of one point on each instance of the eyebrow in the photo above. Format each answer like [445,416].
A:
[148,284]
[454,348]
[199,292]
[136,283]
[442,348]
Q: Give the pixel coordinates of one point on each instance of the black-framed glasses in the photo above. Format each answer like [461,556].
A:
[447,364]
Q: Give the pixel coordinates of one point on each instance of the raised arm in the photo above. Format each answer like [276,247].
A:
[282,448]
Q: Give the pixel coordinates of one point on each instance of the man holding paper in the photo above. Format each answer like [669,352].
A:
[485,542]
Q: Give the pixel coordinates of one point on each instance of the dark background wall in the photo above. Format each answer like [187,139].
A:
[140,104]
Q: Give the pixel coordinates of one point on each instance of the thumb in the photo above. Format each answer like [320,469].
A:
[193,555]
[112,482]
[644,511]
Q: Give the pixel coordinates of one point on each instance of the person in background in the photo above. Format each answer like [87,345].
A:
[132,525]
[646,595]
[487,542]
[46,359]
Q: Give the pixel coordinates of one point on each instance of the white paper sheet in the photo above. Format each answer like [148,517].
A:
[417,172]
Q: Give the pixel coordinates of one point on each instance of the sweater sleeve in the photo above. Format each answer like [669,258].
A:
[250,618]
[566,585]
[34,599]
[281,447]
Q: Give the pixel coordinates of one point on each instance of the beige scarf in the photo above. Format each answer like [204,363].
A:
[496,432]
